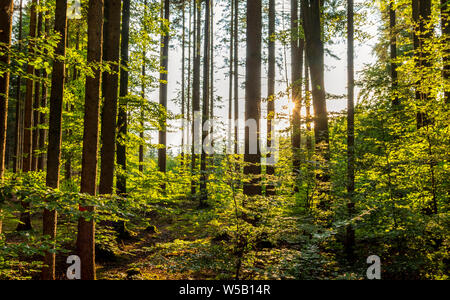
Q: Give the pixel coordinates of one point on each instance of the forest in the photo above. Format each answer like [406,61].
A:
[224,139]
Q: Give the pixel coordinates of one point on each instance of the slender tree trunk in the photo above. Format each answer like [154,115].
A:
[315,54]
[297,46]
[236,76]
[252,158]
[122,121]
[211,104]
[42,115]
[25,217]
[350,240]
[196,94]
[183,87]
[393,37]
[270,188]
[110,84]
[205,108]
[6,15]
[18,124]
[421,11]
[445,20]
[6,20]
[230,86]
[55,133]
[308,109]
[36,105]
[86,228]
[162,152]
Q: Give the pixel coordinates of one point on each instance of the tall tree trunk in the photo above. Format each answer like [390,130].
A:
[196,95]
[308,109]
[86,228]
[55,133]
[211,87]
[164,69]
[6,15]
[297,46]
[6,19]
[122,121]
[205,107]
[445,20]
[230,85]
[36,105]
[315,53]
[421,11]
[252,158]
[270,188]
[350,240]
[393,37]
[183,86]
[110,84]
[25,217]
[42,115]
[236,76]
[18,123]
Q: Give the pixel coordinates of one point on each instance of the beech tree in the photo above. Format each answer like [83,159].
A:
[55,133]
[86,228]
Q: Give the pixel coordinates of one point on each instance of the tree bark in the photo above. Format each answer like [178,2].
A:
[55,133]
[36,105]
[110,84]
[164,69]
[270,188]
[86,228]
[6,14]
[205,107]
[252,166]
[42,116]
[25,217]
[350,239]
[19,104]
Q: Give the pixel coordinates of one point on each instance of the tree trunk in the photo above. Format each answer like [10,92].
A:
[183,86]
[297,46]
[122,122]
[236,76]
[270,188]
[110,84]
[230,85]
[36,105]
[205,107]
[252,158]
[42,116]
[350,239]
[6,15]
[393,37]
[25,217]
[196,94]
[162,152]
[86,228]
[18,124]
[315,55]
[445,20]
[55,133]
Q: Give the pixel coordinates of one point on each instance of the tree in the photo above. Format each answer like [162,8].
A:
[230,83]
[252,158]
[297,47]
[445,19]
[350,242]
[55,133]
[421,12]
[270,189]
[25,217]
[196,91]
[86,228]
[205,106]
[6,16]
[36,104]
[162,151]
[42,115]
[393,52]
[110,84]
[122,120]
[236,76]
